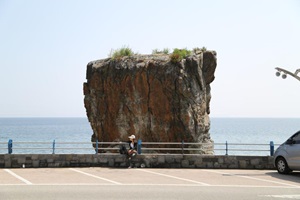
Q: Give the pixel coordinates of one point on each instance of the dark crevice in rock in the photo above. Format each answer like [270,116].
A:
[149,128]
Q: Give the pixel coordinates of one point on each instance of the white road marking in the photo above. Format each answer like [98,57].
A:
[18,177]
[253,178]
[175,177]
[283,196]
[145,185]
[94,176]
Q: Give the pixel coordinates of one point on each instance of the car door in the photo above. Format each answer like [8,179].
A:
[293,152]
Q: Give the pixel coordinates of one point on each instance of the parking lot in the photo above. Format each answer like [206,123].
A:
[144,183]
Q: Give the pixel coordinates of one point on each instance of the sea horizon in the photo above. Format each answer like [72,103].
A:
[209,117]
[234,130]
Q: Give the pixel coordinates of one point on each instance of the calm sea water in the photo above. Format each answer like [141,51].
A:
[253,131]
[63,130]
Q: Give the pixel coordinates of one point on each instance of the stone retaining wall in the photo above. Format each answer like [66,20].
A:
[154,161]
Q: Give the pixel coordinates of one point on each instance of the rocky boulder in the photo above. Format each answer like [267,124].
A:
[151,97]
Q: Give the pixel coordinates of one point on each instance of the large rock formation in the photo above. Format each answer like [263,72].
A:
[151,97]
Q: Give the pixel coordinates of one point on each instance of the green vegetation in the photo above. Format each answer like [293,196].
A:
[119,53]
[164,51]
[203,49]
[176,56]
[179,54]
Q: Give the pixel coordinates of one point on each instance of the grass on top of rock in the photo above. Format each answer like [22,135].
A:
[203,49]
[179,54]
[119,53]
[164,51]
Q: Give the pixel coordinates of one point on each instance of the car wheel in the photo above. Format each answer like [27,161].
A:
[282,166]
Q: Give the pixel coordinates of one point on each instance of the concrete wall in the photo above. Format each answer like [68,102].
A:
[116,160]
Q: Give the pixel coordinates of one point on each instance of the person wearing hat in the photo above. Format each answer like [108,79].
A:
[132,146]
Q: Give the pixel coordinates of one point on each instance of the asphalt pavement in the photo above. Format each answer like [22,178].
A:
[145,183]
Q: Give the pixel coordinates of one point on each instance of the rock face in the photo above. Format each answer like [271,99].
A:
[151,97]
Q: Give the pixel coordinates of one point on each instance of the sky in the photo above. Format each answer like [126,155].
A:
[45,46]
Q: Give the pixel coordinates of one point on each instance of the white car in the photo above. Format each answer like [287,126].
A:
[287,155]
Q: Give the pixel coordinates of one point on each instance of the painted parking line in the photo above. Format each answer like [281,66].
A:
[141,177]
[18,177]
[149,184]
[174,177]
[94,176]
[252,178]
[283,196]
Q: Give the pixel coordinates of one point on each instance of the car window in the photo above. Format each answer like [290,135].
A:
[296,138]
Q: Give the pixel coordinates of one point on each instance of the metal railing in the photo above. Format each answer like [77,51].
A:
[142,147]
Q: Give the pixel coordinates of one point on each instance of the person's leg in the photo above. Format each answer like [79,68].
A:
[130,152]
[133,153]
[129,157]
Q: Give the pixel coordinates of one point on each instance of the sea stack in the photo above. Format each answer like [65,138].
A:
[152,97]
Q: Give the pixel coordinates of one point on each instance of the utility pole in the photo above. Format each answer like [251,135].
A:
[286,72]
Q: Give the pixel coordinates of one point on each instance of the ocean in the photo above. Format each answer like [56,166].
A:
[62,130]
[46,131]
[252,131]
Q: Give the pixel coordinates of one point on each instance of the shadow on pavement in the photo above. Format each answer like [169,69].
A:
[294,177]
